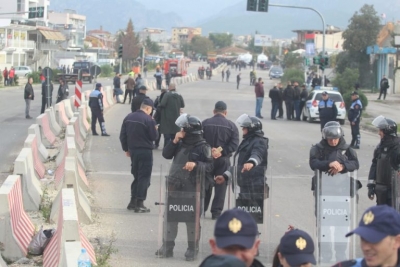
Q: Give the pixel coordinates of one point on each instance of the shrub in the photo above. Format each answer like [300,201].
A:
[293,75]
[345,81]
[36,76]
[348,101]
[55,74]
[106,71]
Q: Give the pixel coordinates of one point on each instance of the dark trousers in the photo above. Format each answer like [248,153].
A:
[296,107]
[280,108]
[274,110]
[383,195]
[383,91]
[142,164]
[97,114]
[237,87]
[355,134]
[289,109]
[302,103]
[157,142]
[168,138]
[44,104]
[220,166]
[130,93]
[159,81]
[324,121]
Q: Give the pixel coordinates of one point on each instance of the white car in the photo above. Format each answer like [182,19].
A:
[23,71]
[310,110]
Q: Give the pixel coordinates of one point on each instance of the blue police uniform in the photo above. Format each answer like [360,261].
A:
[327,111]
[354,117]
[97,107]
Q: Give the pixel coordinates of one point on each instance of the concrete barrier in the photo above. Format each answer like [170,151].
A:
[31,142]
[54,126]
[61,115]
[31,188]
[73,131]
[16,229]
[106,101]
[69,111]
[68,148]
[81,127]
[83,118]
[64,248]
[44,124]
[43,153]
[2,262]
[71,179]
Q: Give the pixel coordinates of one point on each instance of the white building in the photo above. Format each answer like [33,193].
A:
[19,10]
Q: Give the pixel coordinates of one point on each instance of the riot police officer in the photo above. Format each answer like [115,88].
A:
[327,109]
[385,163]
[97,108]
[354,117]
[191,154]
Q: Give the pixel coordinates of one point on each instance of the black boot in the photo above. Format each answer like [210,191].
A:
[191,254]
[166,251]
[132,204]
[140,208]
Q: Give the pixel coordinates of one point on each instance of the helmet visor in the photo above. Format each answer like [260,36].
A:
[244,120]
[182,121]
[332,132]
[380,122]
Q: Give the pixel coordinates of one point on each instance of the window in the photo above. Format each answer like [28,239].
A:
[20,5]
[334,97]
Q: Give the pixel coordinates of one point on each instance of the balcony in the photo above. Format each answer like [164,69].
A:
[24,44]
[48,46]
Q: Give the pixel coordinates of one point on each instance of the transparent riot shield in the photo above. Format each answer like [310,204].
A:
[336,206]
[251,193]
[180,214]
[396,190]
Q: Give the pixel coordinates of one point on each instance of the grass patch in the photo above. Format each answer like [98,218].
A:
[45,205]
[104,250]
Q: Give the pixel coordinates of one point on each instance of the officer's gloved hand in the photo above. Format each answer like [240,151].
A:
[371,191]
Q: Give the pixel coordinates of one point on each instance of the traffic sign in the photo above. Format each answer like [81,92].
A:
[95,70]
[262,40]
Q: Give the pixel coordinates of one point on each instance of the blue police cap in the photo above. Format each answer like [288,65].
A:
[297,247]
[98,85]
[377,223]
[235,227]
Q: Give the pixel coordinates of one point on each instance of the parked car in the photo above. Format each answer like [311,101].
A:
[276,72]
[23,71]
[310,110]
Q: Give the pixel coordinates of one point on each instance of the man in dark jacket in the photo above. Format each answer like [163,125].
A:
[384,85]
[238,80]
[168,77]
[129,86]
[327,109]
[354,117]
[157,114]
[170,106]
[280,87]
[62,92]
[288,96]
[138,99]
[138,83]
[158,76]
[47,95]
[241,242]
[138,132]
[275,98]
[223,137]
[97,108]
[117,86]
[259,91]
[316,81]
[29,95]
[191,171]
[296,102]
[303,97]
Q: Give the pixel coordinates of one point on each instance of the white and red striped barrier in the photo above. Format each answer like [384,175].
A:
[43,153]
[82,127]
[16,229]
[78,94]
[44,123]
[88,110]
[68,108]
[64,248]
[31,142]
[31,188]
[83,118]
[73,179]
[76,133]
[68,148]
[106,102]
[63,119]
[108,96]
[54,126]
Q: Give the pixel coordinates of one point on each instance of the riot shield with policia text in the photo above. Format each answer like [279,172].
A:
[336,208]
[181,201]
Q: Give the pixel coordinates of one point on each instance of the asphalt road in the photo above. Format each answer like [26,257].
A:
[290,202]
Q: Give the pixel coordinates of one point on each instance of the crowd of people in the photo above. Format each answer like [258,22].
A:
[9,76]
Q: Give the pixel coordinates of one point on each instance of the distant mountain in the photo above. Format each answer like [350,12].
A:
[115,15]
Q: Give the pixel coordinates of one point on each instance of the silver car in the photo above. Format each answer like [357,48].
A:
[275,72]
[23,71]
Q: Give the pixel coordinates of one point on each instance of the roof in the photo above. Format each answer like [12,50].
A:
[52,35]
[384,33]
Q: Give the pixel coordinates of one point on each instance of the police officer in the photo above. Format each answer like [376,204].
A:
[62,92]
[97,108]
[138,98]
[235,233]
[332,155]
[354,117]
[379,231]
[385,163]
[327,109]
[137,135]
[190,152]
[223,137]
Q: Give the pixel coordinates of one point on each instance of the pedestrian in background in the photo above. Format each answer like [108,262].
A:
[5,76]
[354,117]
[47,95]
[296,102]
[259,91]
[138,83]
[228,73]
[97,107]
[170,107]
[157,115]
[129,86]
[158,76]
[11,75]
[288,96]
[238,80]
[138,99]
[275,98]
[145,71]
[117,87]
[29,95]
[384,85]
[327,109]
[223,75]
[63,91]
[280,108]
[223,137]
[138,132]
[303,98]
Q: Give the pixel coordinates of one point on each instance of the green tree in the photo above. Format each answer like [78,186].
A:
[292,60]
[345,81]
[152,47]
[201,45]
[131,47]
[362,32]
[221,40]
[293,75]
[185,48]
[254,49]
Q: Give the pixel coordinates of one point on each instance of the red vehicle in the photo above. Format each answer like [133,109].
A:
[176,67]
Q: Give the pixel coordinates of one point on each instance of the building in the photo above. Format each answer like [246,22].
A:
[184,34]
[73,27]
[19,6]
[155,35]
[333,39]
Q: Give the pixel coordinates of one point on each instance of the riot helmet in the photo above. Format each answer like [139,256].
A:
[332,130]
[253,124]
[387,126]
[189,124]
